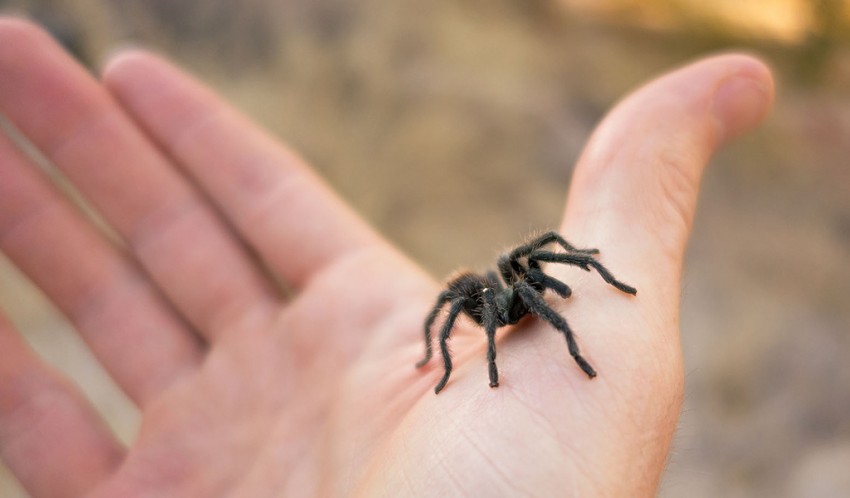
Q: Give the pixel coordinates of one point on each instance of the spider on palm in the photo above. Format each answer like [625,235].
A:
[491,305]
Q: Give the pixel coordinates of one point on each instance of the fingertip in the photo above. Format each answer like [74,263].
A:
[745,64]
[744,97]
[123,63]
[18,35]
[16,27]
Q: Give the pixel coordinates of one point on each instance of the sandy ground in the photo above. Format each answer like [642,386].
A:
[453,127]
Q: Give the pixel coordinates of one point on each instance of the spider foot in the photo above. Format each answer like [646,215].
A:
[424,361]
[441,385]
[585,366]
[628,289]
[494,384]
[564,291]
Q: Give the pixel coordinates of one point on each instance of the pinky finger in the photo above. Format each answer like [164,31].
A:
[50,437]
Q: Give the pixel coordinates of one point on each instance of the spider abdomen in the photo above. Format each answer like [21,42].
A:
[470,288]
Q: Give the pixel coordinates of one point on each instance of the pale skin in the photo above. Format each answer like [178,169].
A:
[248,391]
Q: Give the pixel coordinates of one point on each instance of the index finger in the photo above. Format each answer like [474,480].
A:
[280,206]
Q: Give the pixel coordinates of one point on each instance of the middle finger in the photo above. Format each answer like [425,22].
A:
[174,233]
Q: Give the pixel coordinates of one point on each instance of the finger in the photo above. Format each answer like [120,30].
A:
[173,232]
[134,334]
[634,190]
[50,437]
[282,208]
[633,196]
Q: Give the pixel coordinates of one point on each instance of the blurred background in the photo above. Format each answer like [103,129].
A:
[453,126]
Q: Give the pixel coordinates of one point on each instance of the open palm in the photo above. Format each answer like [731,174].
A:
[246,390]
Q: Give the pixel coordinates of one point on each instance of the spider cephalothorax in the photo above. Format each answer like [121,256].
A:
[492,304]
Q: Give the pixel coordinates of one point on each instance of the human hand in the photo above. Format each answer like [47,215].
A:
[245,391]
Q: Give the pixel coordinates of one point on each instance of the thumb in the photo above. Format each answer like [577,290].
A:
[634,190]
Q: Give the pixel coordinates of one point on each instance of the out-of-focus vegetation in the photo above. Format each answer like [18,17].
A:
[813,29]
[791,21]
[452,125]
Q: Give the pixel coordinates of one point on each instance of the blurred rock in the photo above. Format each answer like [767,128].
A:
[823,472]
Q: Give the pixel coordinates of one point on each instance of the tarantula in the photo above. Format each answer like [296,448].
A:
[491,304]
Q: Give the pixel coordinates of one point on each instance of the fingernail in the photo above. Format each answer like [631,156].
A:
[740,103]
[115,53]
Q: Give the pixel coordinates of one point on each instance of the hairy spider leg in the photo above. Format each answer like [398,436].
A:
[454,311]
[493,278]
[538,307]
[441,300]
[536,275]
[584,262]
[510,267]
[490,321]
[544,239]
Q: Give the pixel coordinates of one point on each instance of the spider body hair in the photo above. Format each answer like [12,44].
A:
[493,300]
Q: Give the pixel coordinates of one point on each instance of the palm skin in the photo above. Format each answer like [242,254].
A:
[245,391]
